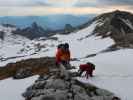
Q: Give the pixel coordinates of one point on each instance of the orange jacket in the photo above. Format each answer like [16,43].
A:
[62,55]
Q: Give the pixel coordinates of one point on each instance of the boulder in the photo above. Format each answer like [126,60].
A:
[102,98]
[81,97]
[39,85]
[102,92]
[58,95]
[49,97]
[22,73]
[56,84]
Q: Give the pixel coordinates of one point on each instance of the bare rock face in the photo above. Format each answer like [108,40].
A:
[54,83]
[2,35]
[56,87]
[118,25]
[25,68]
[34,31]
[22,73]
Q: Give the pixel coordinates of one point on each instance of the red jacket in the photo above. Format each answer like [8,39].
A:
[62,55]
[87,68]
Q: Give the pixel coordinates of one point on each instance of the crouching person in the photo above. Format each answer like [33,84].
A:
[88,68]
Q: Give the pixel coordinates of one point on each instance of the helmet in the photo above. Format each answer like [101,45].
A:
[66,45]
[60,46]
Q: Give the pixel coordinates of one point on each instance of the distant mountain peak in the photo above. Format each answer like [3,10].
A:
[34,25]
[9,25]
[31,32]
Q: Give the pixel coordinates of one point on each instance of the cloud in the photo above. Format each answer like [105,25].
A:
[77,3]
[116,2]
[14,3]
[11,3]
[86,3]
[44,7]
[95,3]
[40,11]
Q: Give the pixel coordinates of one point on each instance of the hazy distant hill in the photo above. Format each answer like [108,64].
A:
[49,21]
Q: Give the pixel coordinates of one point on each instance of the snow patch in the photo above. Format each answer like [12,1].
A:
[13,89]
[113,72]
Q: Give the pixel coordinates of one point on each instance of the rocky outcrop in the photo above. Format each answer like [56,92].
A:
[118,25]
[68,28]
[56,87]
[9,25]
[29,67]
[2,35]
[34,31]
[54,83]
[23,73]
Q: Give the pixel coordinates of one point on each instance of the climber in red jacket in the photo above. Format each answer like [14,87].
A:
[63,55]
[88,68]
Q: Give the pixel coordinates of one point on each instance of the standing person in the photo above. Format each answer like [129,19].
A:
[59,53]
[63,55]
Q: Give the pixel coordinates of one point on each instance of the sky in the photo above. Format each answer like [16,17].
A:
[46,7]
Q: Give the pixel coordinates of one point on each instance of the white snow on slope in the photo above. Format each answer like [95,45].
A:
[80,42]
[11,44]
[12,89]
[87,45]
[113,72]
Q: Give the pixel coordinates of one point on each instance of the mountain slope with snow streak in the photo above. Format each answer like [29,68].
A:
[113,69]
[113,72]
[83,40]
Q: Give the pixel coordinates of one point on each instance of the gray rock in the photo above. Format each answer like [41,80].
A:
[80,93]
[102,92]
[43,77]
[39,85]
[28,94]
[67,84]
[48,98]
[92,94]
[44,97]
[102,98]
[58,95]
[74,74]
[30,88]
[64,73]
[49,83]
[78,89]
[55,87]
[59,84]
[56,84]
[48,91]
[44,92]
[22,73]
[73,81]
[69,95]
[81,97]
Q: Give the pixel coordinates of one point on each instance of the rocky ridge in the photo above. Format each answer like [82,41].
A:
[54,83]
[118,25]
[62,84]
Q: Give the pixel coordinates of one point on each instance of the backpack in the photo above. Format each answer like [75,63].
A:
[91,64]
[60,46]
